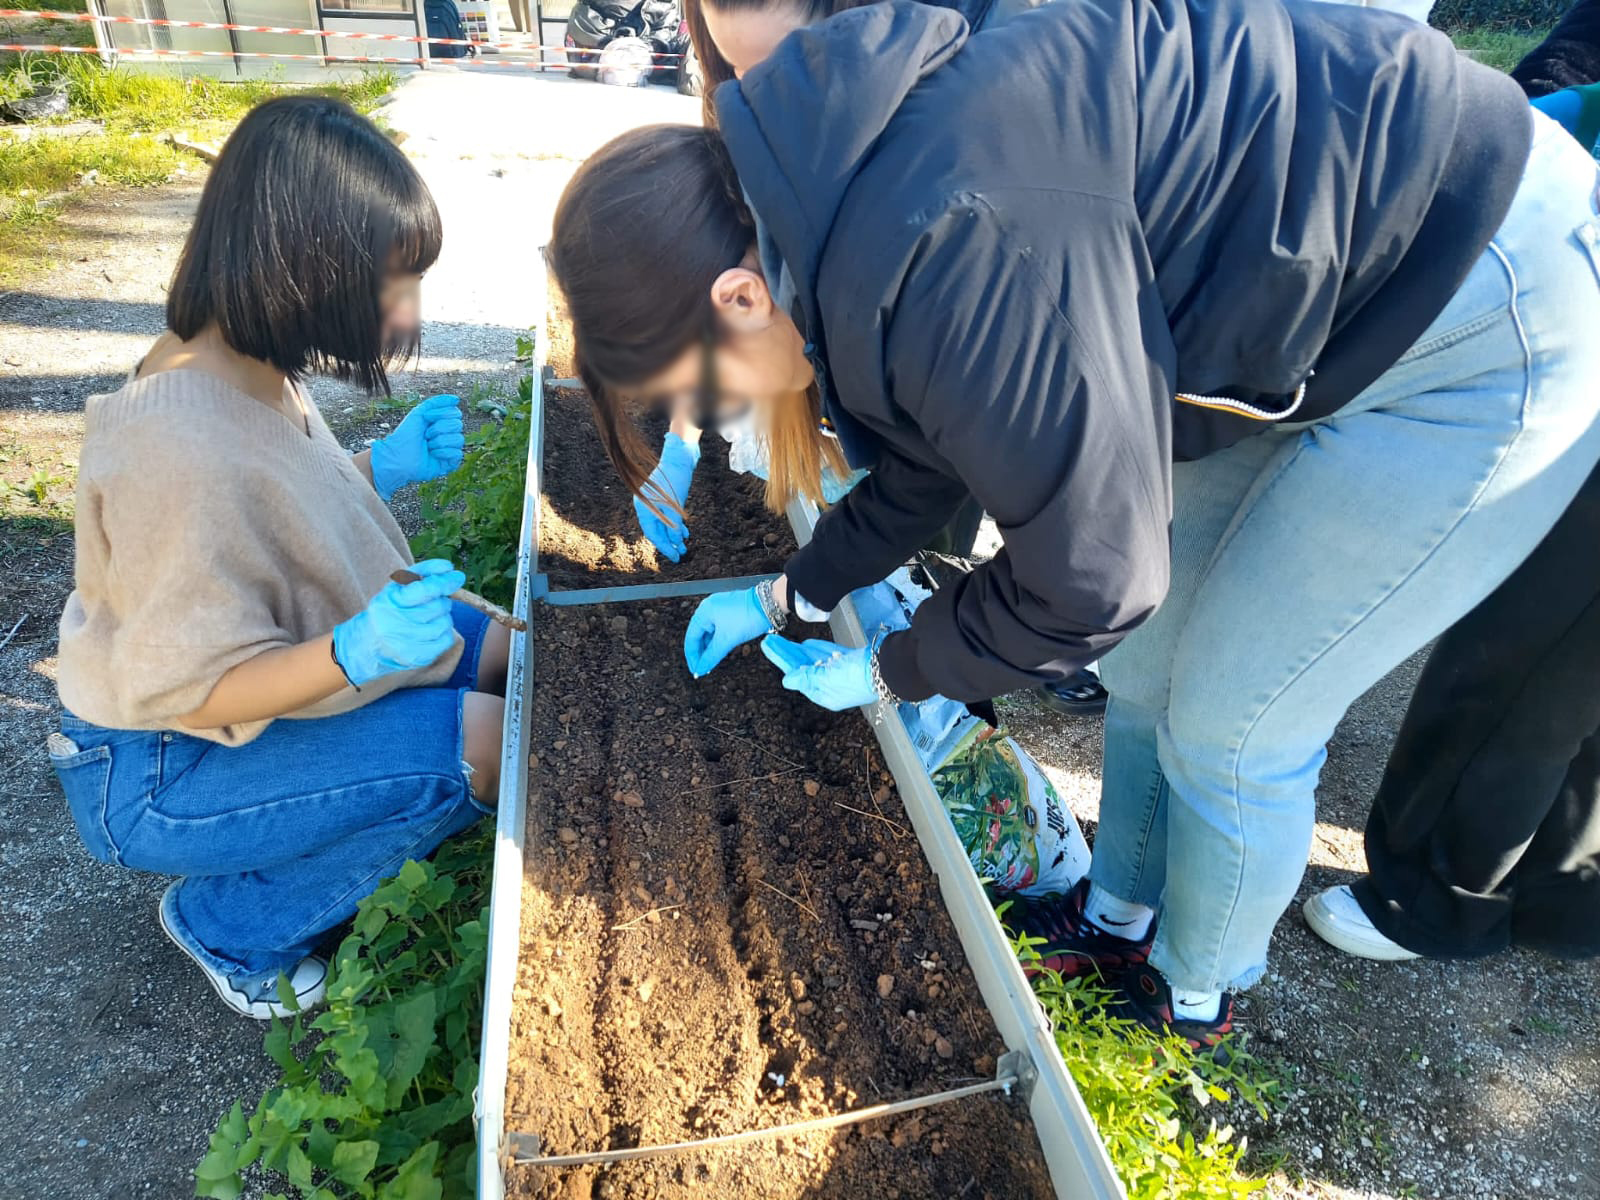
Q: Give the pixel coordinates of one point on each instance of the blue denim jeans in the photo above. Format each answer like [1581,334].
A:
[279,838]
[1310,560]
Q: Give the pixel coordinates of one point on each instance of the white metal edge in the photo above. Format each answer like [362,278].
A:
[1079,1166]
[505,892]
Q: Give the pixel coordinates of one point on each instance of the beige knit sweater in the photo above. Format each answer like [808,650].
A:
[211,528]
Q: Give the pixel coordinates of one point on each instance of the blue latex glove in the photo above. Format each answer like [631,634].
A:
[826,673]
[672,477]
[429,443]
[406,625]
[724,621]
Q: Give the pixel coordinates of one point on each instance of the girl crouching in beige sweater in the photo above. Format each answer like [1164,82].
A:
[250,703]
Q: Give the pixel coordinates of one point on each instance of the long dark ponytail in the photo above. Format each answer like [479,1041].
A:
[641,234]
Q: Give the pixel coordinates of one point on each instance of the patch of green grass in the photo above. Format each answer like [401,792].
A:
[35,485]
[1519,16]
[148,101]
[43,165]
[1149,1095]
[132,107]
[1495,48]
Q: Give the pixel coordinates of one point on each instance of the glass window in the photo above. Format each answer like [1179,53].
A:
[368,6]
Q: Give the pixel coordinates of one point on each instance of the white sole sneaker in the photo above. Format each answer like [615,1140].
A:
[1336,916]
[309,979]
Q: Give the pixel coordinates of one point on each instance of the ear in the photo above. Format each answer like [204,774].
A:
[741,299]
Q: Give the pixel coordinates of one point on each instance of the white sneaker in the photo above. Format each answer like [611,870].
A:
[309,979]
[1336,916]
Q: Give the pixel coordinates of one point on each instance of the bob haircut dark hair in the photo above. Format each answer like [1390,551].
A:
[308,210]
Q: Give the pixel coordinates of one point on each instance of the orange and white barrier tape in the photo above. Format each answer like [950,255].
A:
[167,23]
[151,52]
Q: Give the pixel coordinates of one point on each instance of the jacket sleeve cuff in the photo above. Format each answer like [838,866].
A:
[897,663]
[811,575]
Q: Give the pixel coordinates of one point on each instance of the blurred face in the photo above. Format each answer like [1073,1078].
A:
[400,303]
[755,359]
[748,36]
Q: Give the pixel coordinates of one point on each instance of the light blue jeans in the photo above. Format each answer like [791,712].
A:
[278,839]
[1310,560]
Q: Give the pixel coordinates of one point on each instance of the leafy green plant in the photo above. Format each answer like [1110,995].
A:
[375,1097]
[1149,1095]
[473,516]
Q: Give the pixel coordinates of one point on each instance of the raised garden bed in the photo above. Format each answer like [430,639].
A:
[727,923]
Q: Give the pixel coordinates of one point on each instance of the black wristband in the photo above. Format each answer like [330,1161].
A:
[333,653]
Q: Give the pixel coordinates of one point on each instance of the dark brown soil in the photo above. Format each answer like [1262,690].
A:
[589,536]
[713,941]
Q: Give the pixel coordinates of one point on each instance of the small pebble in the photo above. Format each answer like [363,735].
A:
[567,834]
[648,989]
[797,988]
[885,984]
[805,1008]
[943,1048]
[629,799]
[812,787]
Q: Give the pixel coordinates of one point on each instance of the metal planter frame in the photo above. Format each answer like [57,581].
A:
[1077,1160]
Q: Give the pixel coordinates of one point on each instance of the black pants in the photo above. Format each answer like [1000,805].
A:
[1486,829]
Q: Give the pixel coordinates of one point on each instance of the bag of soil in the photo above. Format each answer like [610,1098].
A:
[1018,833]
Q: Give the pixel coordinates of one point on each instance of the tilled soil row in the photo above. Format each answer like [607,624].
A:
[727,924]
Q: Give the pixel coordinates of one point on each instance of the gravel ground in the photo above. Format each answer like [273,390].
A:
[121,1059]
[1429,1080]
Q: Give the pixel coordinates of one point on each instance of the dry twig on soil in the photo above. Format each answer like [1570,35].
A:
[800,904]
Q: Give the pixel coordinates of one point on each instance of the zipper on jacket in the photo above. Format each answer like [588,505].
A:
[1228,404]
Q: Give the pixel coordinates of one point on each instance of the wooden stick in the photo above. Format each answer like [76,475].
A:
[473,601]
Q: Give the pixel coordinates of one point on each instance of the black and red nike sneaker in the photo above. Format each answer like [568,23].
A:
[1073,945]
[1145,997]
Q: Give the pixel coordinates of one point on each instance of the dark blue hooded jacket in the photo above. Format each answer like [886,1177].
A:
[1013,250]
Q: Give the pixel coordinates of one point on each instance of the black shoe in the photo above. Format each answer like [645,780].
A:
[1073,944]
[1145,998]
[1081,695]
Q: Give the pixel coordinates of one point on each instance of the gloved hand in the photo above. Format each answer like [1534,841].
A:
[406,625]
[826,673]
[427,444]
[669,532]
[723,621]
